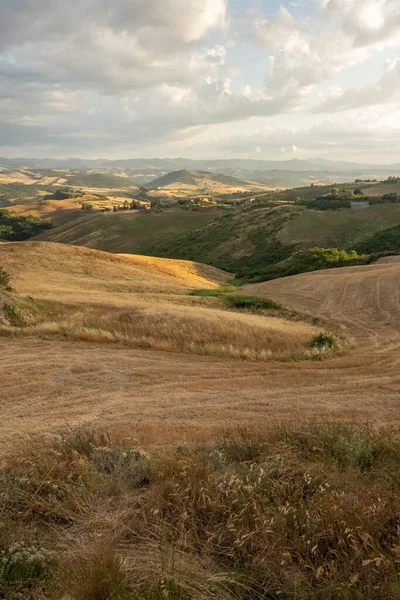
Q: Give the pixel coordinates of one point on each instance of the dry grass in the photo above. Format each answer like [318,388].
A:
[296,513]
[142,302]
[46,209]
[164,326]
[60,272]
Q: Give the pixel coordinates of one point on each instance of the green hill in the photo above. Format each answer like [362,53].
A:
[250,242]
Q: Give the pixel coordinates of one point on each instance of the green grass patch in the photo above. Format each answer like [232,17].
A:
[224,289]
[4,278]
[238,301]
[252,302]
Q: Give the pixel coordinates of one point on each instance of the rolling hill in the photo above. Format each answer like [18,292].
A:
[202,180]
[364,299]
[162,396]
[137,301]
[248,241]
[61,272]
[127,231]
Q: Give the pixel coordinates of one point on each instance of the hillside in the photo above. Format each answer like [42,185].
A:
[69,273]
[250,240]
[139,302]
[126,231]
[58,211]
[364,299]
[169,440]
[158,396]
[202,181]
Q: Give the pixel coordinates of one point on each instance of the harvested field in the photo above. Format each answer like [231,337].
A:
[161,397]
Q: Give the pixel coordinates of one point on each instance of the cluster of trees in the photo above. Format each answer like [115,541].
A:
[392,197]
[132,205]
[386,241]
[64,193]
[313,259]
[329,202]
[336,198]
[392,179]
[17,229]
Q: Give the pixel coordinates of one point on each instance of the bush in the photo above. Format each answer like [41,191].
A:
[22,566]
[387,240]
[252,302]
[4,278]
[324,340]
[313,259]
[329,202]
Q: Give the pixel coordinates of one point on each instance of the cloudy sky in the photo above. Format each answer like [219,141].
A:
[200,78]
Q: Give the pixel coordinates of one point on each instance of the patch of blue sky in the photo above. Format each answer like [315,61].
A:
[299,8]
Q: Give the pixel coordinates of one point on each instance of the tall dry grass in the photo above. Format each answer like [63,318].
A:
[165,326]
[285,513]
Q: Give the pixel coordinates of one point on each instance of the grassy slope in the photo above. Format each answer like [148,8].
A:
[233,240]
[138,301]
[127,232]
[338,228]
[58,211]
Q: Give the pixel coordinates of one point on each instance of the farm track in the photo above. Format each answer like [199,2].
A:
[163,397]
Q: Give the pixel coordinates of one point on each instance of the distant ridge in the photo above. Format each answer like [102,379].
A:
[197,179]
[174,164]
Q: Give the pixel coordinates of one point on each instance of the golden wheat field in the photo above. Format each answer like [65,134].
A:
[56,371]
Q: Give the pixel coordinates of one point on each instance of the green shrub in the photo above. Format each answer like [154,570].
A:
[313,259]
[22,565]
[349,447]
[324,340]
[329,202]
[4,278]
[252,302]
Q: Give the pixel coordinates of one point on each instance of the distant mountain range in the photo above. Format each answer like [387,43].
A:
[175,164]
[273,173]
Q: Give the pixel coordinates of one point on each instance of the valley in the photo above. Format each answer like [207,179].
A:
[183,375]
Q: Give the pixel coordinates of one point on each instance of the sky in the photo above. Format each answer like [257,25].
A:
[201,79]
